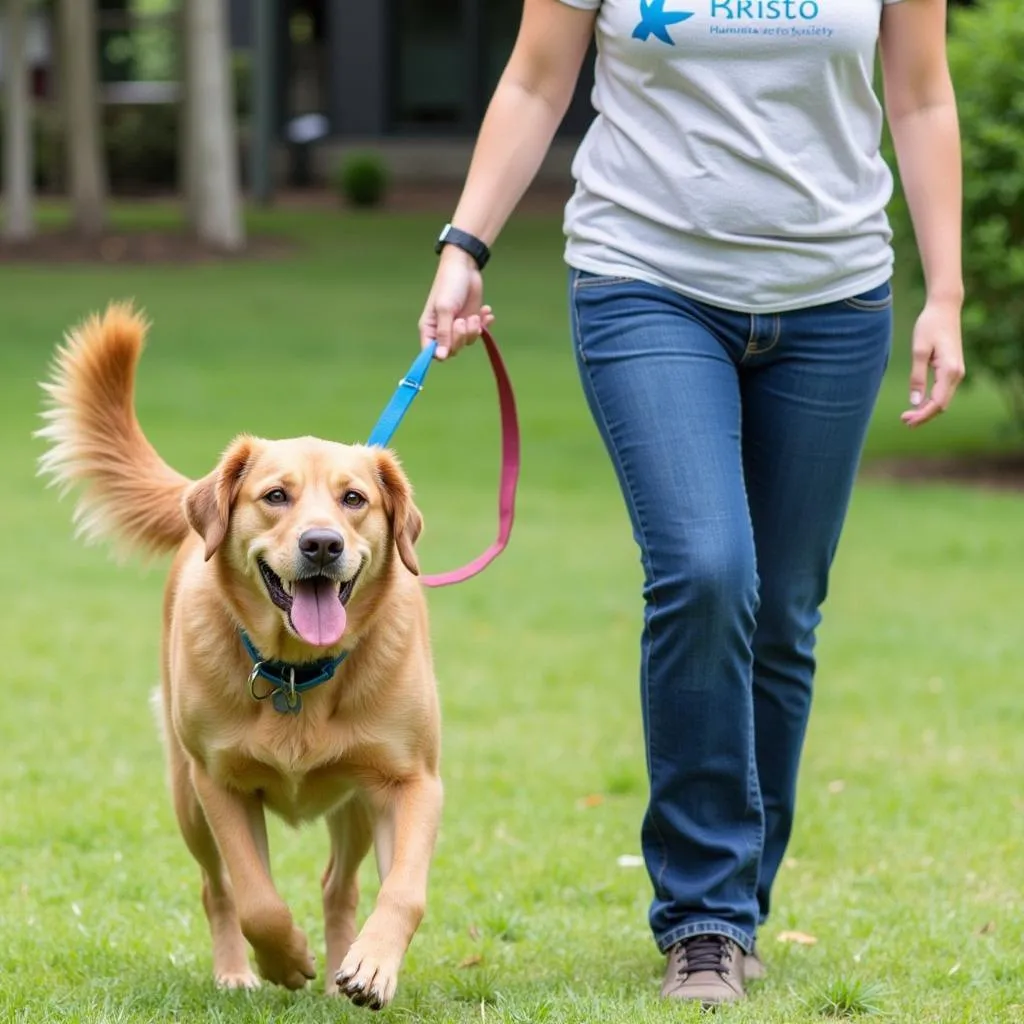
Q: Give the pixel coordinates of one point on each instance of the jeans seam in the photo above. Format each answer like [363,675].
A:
[645,664]
[753,349]
[751,346]
[577,334]
[753,778]
[754,788]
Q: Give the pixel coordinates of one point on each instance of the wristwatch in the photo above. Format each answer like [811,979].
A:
[466,242]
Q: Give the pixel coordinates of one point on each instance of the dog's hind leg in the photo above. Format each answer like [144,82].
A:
[231,968]
[350,828]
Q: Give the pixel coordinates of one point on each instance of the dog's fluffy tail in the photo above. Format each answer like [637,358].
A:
[129,495]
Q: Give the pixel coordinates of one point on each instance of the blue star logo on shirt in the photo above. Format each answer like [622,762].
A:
[655,20]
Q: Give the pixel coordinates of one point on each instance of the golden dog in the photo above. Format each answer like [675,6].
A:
[305,549]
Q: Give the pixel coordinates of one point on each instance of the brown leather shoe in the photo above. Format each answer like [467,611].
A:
[753,966]
[705,968]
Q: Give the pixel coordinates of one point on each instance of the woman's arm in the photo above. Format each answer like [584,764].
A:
[921,110]
[528,104]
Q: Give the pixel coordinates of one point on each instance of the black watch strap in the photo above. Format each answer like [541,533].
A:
[466,242]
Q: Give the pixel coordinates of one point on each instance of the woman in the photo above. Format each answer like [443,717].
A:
[729,293]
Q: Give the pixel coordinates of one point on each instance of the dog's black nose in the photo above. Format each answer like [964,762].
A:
[321,547]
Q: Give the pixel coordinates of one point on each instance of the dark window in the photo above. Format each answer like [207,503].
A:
[500,25]
[117,54]
[137,40]
[430,66]
[307,57]
[446,59]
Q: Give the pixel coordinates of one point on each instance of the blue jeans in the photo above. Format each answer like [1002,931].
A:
[735,439]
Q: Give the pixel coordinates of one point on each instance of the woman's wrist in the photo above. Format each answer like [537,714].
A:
[950,295]
[452,255]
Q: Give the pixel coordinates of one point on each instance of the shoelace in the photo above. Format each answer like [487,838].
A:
[704,953]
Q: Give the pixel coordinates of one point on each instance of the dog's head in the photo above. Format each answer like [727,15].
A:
[306,524]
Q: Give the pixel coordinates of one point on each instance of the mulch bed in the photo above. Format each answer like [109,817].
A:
[178,247]
[434,197]
[992,472]
[542,199]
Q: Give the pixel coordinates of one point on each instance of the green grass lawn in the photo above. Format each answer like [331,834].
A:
[906,863]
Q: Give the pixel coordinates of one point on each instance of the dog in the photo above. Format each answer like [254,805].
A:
[297,672]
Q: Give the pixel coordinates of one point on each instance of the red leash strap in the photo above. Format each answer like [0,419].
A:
[510,461]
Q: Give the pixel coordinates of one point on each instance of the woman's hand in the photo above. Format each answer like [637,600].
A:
[937,347]
[454,315]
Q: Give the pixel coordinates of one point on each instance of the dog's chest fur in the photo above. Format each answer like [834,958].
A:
[302,768]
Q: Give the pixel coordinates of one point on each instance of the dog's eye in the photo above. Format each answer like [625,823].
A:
[353,499]
[276,497]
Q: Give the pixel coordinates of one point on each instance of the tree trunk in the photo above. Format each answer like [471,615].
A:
[87,179]
[19,219]
[212,155]
[186,128]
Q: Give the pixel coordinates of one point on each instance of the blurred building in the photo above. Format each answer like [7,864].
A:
[411,77]
[38,48]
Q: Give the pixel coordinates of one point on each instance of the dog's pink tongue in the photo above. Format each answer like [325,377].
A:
[317,612]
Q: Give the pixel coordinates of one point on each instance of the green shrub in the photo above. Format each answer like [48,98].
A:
[363,179]
[986,56]
[141,146]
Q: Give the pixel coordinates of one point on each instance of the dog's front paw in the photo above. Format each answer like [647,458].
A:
[291,965]
[237,979]
[369,974]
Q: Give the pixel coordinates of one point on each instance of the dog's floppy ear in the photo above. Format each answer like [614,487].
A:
[208,501]
[406,521]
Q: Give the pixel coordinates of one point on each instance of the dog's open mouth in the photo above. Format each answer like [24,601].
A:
[315,605]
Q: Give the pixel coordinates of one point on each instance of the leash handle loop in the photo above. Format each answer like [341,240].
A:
[408,388]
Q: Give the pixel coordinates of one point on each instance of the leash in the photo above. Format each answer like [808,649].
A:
[288,682]
[408,388]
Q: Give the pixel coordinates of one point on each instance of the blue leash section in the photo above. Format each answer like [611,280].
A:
[408,388]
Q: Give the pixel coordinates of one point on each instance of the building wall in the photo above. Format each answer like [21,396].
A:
[400,69]
[357,35]
[38,44]
[409,78]
[416,88]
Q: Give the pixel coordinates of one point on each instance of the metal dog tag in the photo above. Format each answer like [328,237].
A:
[288,702]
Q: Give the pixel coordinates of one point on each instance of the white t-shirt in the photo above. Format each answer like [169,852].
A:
[735,152]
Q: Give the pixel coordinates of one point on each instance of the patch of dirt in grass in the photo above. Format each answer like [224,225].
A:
[137,247]
[433,197]
[996,472]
